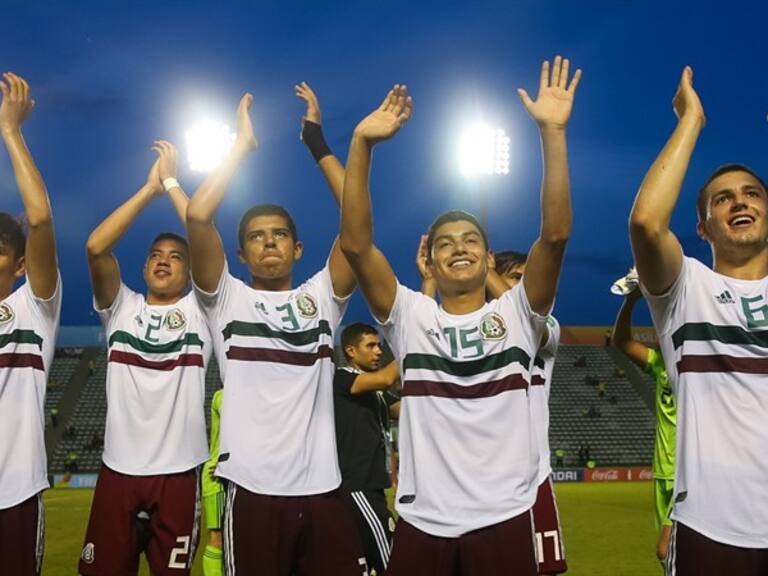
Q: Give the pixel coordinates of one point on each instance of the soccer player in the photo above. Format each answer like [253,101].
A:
[278,453]
[363,404]
[213,496]
[158,348]
[711,329]
[468,455]
[29,321]
[666,417]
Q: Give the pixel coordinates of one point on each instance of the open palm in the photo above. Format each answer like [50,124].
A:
[387,119]
[554,102]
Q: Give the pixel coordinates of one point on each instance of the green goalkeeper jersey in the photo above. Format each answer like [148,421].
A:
[211,485]
[666,418]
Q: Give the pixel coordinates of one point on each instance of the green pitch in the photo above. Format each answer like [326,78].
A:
[608,529]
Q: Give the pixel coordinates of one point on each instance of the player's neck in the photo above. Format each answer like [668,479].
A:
[272,284]
[463,302]
[162,299]
[741,262]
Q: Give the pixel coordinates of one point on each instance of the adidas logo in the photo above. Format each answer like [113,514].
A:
[725,298]
[432,332]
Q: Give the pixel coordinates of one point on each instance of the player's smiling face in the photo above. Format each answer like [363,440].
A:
[269,249]
[736,211]
[460,257]
[166,270]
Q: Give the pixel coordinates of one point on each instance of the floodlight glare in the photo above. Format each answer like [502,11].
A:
[208,142]
[483,150]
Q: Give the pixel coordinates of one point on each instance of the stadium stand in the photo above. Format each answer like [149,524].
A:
[62,370]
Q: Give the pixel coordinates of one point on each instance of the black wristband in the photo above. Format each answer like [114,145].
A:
[312,136]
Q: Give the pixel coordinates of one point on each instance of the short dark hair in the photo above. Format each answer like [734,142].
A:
[452,216]
[12,234]
[352,334]
[702,200]
[169,236]
[509,259]
[264,210]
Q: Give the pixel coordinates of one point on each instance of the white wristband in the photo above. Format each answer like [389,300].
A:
[169,183]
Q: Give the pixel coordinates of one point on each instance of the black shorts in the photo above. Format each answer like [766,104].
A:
[22,530]
[300,535]
[375,525]
[693,554]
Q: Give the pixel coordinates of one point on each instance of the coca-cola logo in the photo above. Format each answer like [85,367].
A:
[605,475]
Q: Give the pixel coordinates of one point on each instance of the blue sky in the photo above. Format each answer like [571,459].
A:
[109,78]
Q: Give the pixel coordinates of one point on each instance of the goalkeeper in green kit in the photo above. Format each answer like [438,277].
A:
[651,361]
[213,497]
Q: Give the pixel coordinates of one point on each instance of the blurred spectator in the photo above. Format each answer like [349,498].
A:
[581,362]
[559,457]
[54,416]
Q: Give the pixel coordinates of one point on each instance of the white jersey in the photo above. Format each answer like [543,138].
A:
[275,354]
[468,449]
[157,358]
[713,331]
[541,384]
[28,327]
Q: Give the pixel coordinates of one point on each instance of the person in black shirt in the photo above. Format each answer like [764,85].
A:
[363,406]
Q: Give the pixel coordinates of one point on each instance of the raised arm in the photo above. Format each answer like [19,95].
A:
[551,111]
[622,331]
[40,251]
[105,272]
[377,380]
[312,135]
[205,247]
[373,272]
[168,156]
[658,254]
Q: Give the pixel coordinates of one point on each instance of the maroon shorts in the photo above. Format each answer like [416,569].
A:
[21,537]
[693,554]
[170,504]
[499,550]
[549,536]
[301,535]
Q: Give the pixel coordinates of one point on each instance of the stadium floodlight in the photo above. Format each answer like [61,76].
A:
[208,142]
[483,151]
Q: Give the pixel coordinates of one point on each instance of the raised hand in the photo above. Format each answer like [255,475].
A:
[167,159]
[686,102]
[17,101]
[554,102]
[154,182]
[246,139]
[304,92]
[387,119]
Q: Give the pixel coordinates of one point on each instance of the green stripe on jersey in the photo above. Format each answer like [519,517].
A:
[704,331]
[189,339]
[21,337]
[238,328]
[470,368]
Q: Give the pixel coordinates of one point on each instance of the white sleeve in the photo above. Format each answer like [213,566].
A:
[321,285]
[395,327]
[213,303]
[664,306]
[553,337]
[106,315]
[515,307]
[48,309]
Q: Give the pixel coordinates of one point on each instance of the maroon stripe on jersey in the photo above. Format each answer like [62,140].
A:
[537,380]
[279,356]
[451,390]
[12,360]
[722,363]
[120,357]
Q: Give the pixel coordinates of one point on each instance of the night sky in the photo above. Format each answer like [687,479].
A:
[109,78]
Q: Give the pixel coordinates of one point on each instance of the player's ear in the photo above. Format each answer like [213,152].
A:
[701,230]
[298,250]
[491,260]
[240,255]
[21,268]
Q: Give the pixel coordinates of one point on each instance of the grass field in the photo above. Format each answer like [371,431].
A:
[608,529]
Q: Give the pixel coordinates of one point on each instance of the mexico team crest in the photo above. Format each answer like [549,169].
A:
[175,319]
[306,305]
[6,313]
[88,555]
[492,327]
